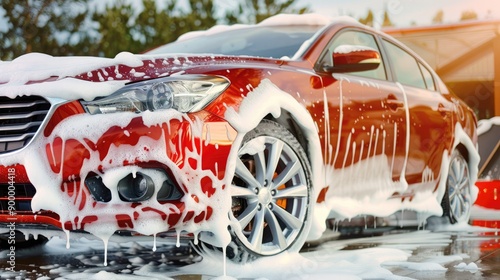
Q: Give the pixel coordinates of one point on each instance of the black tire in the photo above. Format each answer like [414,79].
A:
[271,192]
[457,199]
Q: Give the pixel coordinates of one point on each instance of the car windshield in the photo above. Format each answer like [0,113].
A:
[261,41]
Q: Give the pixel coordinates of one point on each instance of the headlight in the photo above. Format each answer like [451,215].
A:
[184,94]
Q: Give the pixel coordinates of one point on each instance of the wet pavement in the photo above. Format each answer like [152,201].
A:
[481,252]
[438,252]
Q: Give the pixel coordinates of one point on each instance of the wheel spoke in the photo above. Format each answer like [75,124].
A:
[245,174]
[294,191]
[465,179]
[273,159]
[451,178]
[257,231]
[260,167]
[463,186]
[459,205]
[462,169]
[462,200]
[290,220]
[248,214]
[453,193]
[237,191]
[454,203]
[278,236]
[454,172]
[291,170]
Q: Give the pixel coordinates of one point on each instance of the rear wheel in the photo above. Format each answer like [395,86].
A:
[271,194]
[457,202]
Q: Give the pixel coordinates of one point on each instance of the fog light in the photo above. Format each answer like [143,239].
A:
[168,191]
[97,188]
[136,188]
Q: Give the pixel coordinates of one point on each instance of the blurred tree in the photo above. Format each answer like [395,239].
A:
[468,15]
[115,25]
[438,18]
[378,20]
[200,16]
[255,11]
[387,21]
[79,27]
[156,26]
[368,20]
[152,26]
[54,26]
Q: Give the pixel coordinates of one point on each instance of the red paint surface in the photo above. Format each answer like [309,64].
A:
[489,194]
[430,127]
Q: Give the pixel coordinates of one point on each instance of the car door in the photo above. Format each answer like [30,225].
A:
[364,133]
[430,118]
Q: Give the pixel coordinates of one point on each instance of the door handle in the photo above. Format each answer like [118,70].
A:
[443,110]
[394,103]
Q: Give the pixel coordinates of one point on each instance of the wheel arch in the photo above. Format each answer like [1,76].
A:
[463,150]
[286,120]
[464,144]
[268,101]
[310,143]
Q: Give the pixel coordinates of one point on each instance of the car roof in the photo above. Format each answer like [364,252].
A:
[311,19]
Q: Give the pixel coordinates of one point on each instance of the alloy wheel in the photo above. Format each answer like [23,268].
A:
[270,193]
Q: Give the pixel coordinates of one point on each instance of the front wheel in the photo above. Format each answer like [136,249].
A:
[271,194]
[457,200]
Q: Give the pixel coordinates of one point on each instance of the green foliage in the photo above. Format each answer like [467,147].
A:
[42,26]
[80,27]
[155,26]
[255,11]
[115,29]
[200,16]
[121,28]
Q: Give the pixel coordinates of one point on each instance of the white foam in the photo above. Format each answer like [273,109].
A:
[485,125]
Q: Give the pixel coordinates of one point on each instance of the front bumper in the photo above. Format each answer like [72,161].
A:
[49,178]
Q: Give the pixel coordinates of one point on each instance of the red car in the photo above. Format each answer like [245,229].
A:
[248,137]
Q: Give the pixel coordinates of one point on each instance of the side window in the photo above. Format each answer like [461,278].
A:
[429,81]
[406,68]
[357,38]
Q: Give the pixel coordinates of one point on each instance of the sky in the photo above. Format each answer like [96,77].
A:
[404,12]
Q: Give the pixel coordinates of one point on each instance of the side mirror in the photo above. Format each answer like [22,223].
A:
[353,58]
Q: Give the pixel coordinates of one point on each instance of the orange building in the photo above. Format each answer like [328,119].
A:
[467,57]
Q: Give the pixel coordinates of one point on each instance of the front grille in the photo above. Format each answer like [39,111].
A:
[20,119]
[22,198]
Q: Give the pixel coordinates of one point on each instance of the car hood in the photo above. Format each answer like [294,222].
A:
[86,78]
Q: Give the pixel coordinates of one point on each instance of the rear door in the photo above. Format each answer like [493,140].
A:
[430,117]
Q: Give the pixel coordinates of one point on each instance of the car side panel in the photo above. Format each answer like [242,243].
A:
[364,136]
[431,134]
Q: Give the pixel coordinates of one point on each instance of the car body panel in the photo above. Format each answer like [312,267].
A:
[368,140]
